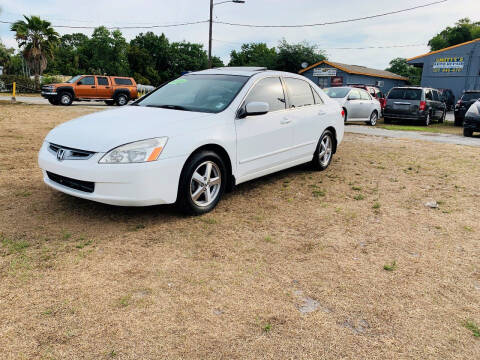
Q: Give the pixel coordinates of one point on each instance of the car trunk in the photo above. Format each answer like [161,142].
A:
[404,101]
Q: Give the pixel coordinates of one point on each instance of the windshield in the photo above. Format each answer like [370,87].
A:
[470,96]
[74,79]
[337,92]
[202,93]
[405,94]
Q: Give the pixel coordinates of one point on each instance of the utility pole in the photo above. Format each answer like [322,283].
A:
[210,36]
[210,30]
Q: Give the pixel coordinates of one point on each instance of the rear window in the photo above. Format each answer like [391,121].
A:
[337,93]
[120,81]
[405,94]
[470,96]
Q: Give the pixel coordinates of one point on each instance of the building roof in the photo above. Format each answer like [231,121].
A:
[445,49]
[358,70]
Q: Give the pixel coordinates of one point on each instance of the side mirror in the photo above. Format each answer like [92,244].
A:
[79,83]
[257,108]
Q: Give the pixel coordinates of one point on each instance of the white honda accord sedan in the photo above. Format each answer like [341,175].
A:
[193,138]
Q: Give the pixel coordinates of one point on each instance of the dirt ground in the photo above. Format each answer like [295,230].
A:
[348,263]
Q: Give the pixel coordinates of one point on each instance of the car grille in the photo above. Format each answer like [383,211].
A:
[70,154]
[85,186]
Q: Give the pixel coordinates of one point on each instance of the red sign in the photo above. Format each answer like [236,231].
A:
[337,81]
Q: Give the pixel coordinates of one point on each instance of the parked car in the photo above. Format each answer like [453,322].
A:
[189,140]
[467,99]
[111,89]
[472,119]
[357,104]
[414,103]
[448,98]
[374,91]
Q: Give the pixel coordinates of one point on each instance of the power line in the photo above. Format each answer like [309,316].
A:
[340,48]
[245,25]
[333,22]
[122,27]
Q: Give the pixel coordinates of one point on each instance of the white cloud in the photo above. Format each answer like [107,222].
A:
[414,27]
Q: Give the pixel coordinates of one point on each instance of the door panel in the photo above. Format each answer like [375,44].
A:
[354,105]
[104,88]
[264,141]
[86,88]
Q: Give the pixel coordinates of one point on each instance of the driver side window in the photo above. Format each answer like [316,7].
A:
[354,95]
[87,80]
[269,90]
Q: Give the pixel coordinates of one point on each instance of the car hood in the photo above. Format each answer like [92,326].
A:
[339,101]
[103,131]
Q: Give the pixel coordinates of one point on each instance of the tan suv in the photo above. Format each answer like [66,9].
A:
[111,89]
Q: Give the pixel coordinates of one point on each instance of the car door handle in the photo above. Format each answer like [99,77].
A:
[93,87]
[285,121]
[107,87]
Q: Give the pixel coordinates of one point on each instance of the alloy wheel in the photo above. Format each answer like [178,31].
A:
[373,119]
[65,99]
[326,149]
[205,184]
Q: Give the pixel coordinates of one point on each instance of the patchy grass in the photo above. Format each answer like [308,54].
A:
[167,286]
[390,267]
[446,128]
[473,327]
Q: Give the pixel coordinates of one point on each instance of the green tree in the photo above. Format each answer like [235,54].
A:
[400,67]
[291,56]
[37,40]
[148,56]
[67,55]
[186,56]
[5,55]
[463,31]
[254,54]
[105,53]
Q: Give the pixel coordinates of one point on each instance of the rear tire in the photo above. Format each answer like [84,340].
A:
[467,132]
[373,118]
[427,120]
[121,100]
[324,153]
[442,119]
[53,101]
[66,99]
[200,189]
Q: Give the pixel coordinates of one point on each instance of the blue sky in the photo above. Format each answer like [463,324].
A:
[415,27]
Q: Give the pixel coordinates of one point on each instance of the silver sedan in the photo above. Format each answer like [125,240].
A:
[357,104]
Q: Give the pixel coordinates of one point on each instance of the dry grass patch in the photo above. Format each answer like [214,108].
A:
[274,272]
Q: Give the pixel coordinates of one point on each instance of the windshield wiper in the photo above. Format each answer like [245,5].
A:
[172,107]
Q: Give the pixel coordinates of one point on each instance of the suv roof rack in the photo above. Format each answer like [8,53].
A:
[243,68]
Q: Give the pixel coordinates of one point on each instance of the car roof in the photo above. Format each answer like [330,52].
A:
[246,71]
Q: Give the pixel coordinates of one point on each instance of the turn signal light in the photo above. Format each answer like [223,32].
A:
[423,105]
[343,113]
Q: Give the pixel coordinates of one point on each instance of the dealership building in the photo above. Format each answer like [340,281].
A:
[456,68]
[328,73]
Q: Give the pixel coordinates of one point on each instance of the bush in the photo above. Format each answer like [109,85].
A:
[50,79]
[24,84]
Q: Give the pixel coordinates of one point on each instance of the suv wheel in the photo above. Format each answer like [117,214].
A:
[373,119]
[467,132]
[324,152]
[202,183]
[426,122]
[121,100]
[387,120]
[66,99]
[444,115]
[53,101]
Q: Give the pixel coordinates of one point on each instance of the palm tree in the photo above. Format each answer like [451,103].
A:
[37,39]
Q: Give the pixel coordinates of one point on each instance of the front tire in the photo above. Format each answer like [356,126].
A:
[66,99]
[467,132]
[202,183]
[110,102]
[121,100]
[324,153]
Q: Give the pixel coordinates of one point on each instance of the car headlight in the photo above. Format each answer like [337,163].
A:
[135,152]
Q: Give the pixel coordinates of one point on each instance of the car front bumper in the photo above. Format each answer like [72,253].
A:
[141,184]
[471,123]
